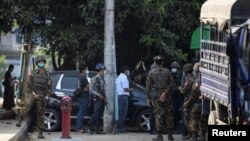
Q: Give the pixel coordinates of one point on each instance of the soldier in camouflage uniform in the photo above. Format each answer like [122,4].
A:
[97,85]
[38,91]
[196,123]
[186,91]
[159,94]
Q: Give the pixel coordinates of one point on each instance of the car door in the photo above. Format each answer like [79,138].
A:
[69,83]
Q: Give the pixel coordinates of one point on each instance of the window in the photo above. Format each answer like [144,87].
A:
[69,83]
[54,79]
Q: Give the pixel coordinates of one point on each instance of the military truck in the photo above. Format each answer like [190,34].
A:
[224,58]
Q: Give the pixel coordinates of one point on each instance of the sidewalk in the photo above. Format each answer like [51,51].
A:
[8,129]
[131,136]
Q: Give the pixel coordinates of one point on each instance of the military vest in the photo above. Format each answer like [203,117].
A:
[160,76]
[40,82]
[99,83]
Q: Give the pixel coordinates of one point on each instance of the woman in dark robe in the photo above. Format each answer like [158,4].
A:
[8,99]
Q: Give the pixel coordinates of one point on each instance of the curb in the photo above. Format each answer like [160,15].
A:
[23,132]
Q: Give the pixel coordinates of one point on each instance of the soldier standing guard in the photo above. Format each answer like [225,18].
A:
[177,96]
[159,94]
[38,91]
[97,89]
[197,122]
[186,90]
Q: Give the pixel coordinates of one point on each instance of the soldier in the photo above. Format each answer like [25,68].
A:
[186,90]
[38,91]
[194,102]
[177,96]
[159,94]
[97,89]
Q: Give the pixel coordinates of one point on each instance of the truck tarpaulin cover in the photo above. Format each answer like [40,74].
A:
[220,11]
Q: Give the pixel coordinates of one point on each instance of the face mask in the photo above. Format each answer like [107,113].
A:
[41,65]
[174,70]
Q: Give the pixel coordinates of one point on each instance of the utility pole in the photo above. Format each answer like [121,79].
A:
[110,63]
[24,71]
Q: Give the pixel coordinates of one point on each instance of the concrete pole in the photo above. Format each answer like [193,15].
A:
[110,63]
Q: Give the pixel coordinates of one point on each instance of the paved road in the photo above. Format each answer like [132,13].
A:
[131,136]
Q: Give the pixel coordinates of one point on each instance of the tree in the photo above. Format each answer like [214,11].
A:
[3,66]
[73,30]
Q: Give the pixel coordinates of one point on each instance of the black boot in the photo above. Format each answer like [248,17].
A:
[19,123]
[40,135]
[159,137]
[194,136]
[187,137]
[202,137]
[98,131]
[170,134]
[185,131]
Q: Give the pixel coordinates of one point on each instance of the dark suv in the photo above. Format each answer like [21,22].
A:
[65,82]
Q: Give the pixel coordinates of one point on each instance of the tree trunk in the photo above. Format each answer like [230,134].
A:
[110,63]
[69,63]
[53,56]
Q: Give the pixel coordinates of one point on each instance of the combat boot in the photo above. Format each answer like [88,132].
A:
[99,131]
[187,137]
[170,134]
[194,136]
[40,135]
[159,137]
[19,122]
[202,137]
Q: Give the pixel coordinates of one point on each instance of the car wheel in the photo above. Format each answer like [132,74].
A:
[52,120]
[142,120]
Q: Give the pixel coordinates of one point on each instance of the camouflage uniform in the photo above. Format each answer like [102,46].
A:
[196,123]
[39,83]
[186,90]
[97,89]
[160,80]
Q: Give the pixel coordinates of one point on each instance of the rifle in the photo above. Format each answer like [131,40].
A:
[102,93]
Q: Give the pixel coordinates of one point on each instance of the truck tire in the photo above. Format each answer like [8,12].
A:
[212,118]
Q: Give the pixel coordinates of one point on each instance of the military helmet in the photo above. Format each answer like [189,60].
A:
[175,65]
[159,57]
[40,58]
[100,66]
[187,67]
[196,66]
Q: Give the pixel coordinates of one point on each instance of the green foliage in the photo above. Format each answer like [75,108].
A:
[3,66]
[6,15]
[74,30]
[164,26]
